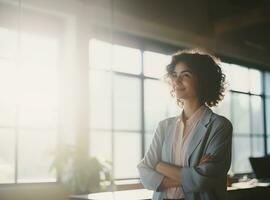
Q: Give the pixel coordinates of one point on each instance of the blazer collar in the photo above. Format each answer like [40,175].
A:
[206,116]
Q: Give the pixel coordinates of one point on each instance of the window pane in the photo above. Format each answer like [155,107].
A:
[126,59]
[237,77]
[35,155]
[257,115]
[37,115]
[7,93]
[240,158]
[38,81]
[127,103]
[39,64]
[224,107]
[267,100]
[255,81]
[267,83]
[100,54]
[8,41]
[100,100]
[155,103]
[7,155]
[155,64]
[241,112]
[257,146]
[127,149]
[34,86]
[39,51]
[101,145]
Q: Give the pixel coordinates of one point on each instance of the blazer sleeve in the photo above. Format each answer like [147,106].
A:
[150,178]
[208,175]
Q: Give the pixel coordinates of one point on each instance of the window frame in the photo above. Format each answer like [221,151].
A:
[156,46]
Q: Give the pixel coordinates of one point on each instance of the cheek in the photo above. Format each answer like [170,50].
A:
[174,84]
[191,87]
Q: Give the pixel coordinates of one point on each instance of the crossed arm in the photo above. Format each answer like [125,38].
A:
[158,176]
[172,173]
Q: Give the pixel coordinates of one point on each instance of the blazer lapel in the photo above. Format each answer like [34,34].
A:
[199,132]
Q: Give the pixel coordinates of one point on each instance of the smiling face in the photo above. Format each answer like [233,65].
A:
[184,82]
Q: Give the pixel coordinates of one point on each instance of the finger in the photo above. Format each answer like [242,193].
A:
[205,157]
[208,155]
[203,160]
[209,159]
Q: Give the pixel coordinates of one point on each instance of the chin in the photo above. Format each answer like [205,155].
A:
[180,97]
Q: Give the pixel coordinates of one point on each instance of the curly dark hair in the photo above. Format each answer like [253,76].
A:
[206,67]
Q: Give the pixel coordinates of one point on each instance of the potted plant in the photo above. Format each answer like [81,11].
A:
[81,173]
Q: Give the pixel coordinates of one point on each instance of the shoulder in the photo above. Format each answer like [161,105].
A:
[220,124]
[220,120]
[168,121]
[165,125]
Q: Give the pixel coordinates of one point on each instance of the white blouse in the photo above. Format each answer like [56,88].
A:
[183,135]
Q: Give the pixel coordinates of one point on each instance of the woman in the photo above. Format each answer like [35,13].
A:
[190,154]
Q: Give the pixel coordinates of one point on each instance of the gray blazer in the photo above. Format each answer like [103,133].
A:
[213,135]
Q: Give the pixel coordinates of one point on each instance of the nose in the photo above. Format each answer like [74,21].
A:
[178,79]
[178,83]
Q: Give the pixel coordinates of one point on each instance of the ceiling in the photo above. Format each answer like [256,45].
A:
[240,24]
[234,28]
[245,22]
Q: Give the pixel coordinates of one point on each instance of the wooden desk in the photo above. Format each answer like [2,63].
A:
[252,193]
[140,194]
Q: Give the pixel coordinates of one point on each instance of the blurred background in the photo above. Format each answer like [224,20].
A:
[81,87]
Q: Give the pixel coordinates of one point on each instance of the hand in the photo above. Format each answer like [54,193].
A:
[167,183]
[206,158]
[157,166]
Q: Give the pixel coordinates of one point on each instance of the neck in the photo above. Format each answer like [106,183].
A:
[190,107]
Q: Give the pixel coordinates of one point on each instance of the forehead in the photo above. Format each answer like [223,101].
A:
[181,66]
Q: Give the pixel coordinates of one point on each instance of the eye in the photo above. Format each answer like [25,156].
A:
[186,75]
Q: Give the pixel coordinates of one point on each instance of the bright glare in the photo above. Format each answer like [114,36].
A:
[155,64]
[255,81]
[238,77]
[126,59]
[29,89]
[100,54]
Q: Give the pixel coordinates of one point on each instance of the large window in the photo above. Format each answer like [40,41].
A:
[126,102]
[28,106]
[267,108]
[243,105]
[128,98]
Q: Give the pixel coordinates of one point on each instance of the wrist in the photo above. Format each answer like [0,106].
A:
[157,166]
